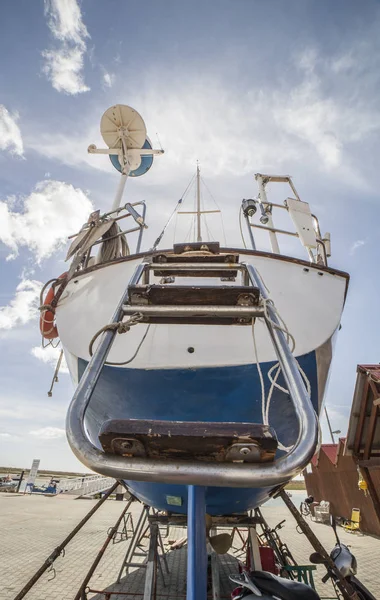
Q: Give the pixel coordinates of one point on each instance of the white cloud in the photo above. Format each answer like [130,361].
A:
[65,21]
[64,69]
[8,437]
[239,133]
[64,65]
[10,134]
[49,214]
[108,79]
[343,63]
[357,245]
[23,307]
[35,410]
[314,120]
[50,355]
[48,433]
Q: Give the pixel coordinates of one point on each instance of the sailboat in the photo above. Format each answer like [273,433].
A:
[197,366]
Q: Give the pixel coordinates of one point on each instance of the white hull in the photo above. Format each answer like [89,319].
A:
[309,299]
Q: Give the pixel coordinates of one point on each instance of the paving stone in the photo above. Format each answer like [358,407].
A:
[32,526]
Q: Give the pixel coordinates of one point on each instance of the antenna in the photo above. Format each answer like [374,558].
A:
[130,150]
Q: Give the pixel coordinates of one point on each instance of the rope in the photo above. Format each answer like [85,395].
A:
[126,362]
[284,329]
[119,327]
[265,402]
[55,279]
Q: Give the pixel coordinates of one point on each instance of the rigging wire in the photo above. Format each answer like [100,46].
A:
[175,227]
[209,232]
[218,207]
[158,240]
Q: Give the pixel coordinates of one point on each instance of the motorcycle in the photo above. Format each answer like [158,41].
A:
[264,585]
[346,563]
[267,586]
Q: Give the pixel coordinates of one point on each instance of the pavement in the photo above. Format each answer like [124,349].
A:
[32,526]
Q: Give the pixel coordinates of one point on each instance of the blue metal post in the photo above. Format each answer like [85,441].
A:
[196,544]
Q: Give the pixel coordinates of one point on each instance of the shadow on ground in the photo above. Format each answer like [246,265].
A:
[133,583]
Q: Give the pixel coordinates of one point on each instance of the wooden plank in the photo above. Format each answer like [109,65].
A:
[362,416]
[188,440]
[184,295]
[372,490]
[188,428]
[370,432]
[372,463]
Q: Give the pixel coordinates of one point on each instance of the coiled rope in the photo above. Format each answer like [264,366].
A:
[119,326]
[265,402]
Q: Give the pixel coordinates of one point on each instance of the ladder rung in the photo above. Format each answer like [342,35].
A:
[239,314]
[195,267]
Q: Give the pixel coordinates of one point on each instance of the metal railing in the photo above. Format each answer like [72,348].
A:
[318,251]
[90,484]
[82,256]
[197,473]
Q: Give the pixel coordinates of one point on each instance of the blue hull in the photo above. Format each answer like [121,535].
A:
[201,394]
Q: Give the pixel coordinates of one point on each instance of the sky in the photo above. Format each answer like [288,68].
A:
[242,86]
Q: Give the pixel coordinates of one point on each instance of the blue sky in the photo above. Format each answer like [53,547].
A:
[242,86]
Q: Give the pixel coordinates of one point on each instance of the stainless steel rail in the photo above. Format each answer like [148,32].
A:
[196,473]
[194,311]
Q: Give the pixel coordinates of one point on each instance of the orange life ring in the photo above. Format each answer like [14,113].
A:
[48,327]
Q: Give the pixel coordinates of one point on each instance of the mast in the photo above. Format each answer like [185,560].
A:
[199,212]
[199,233]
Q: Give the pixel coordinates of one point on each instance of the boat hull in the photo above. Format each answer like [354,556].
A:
[202,372]
[227,394]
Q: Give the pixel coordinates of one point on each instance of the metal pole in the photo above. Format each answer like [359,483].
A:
[215,575]
[120,190]
[111,534]
[194,311]
[55,376]
[250,232]
[199,233]
[264,201]
[19,481]
[151,565]
[49,561]
[139,239]
[307,420]
[344,586]
[136,538]
[91,375]
[328,423]
[196,544]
